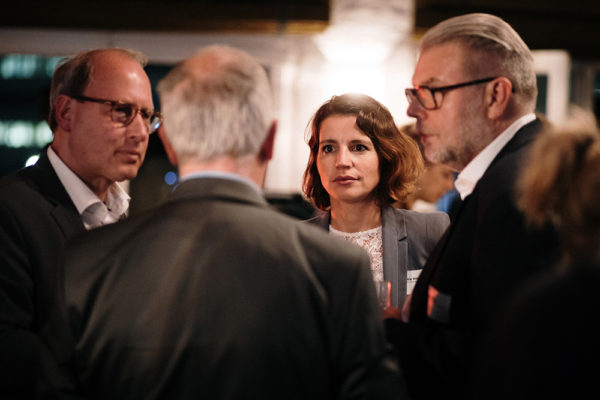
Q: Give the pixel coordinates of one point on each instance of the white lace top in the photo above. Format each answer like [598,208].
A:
[372,241]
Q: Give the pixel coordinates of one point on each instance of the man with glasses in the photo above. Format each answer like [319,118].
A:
[101,114]
[473,99]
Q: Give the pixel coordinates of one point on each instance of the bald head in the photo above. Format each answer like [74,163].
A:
[73,74]
[216,103]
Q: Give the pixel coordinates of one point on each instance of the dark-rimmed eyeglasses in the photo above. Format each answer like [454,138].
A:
[125,113]
[431,98]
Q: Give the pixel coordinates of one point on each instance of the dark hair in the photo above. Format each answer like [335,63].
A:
[400,161]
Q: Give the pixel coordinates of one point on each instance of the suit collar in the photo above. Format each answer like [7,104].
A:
[218,189]
[524,136]
[393,221]
[44,179]
[475,169]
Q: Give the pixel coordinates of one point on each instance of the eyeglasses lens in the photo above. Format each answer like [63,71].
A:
[425,97]
[123,113]
[126,113]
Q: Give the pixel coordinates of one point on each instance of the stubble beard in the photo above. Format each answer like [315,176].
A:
[469,140]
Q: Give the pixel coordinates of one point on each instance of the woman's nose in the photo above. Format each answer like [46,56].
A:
[342,159]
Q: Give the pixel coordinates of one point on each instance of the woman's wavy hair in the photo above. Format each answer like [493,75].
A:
[400,161]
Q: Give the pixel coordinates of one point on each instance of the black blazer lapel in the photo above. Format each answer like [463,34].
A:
[420,296]
[43,176]
[523,137]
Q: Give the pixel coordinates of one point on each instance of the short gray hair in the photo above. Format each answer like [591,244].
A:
[493,38]
[72,75]
[219,102]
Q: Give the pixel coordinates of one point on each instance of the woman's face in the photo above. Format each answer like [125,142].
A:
[347,161]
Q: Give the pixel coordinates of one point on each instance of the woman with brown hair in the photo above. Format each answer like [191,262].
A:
[359,165]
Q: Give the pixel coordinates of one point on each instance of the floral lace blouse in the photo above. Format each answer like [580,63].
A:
[372,241]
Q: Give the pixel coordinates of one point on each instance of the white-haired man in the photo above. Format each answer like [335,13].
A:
[474,99]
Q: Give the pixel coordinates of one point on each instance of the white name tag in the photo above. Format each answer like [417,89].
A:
[411,279]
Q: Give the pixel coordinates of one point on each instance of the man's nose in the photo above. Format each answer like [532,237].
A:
[415,110]
[138,129]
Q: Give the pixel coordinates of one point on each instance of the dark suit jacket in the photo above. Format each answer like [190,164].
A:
[36,218]
[408,239]
[215,295]
[481,258]
[545,344]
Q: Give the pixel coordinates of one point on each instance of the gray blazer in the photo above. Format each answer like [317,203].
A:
[408,239]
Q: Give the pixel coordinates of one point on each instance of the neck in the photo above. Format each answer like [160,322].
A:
[355,217]
[98,185]
[248,167]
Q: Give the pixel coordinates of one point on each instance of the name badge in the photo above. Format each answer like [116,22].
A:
[411,279]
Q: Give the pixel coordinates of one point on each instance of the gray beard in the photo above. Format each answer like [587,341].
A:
[472,138]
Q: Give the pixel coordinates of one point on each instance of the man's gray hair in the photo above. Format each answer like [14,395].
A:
[72,75]
[217,103]
[496,41]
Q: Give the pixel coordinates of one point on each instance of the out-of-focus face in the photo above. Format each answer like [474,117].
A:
[98,149]
[454,133]
[347,161]
[434,182]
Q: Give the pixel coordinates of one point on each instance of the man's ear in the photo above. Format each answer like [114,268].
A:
[63,112]
[266,149]
[497,96]
[167,145]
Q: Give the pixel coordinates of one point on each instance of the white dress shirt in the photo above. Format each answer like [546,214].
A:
[470,175]
[93,211]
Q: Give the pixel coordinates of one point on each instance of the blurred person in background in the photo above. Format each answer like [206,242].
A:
[359,165]
[101,114]
[545,345]
[433,183]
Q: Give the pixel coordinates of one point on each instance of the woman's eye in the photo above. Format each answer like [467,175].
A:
[327,148]
[360,147]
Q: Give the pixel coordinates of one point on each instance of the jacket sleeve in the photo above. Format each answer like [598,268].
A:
[367,369]
[19,346]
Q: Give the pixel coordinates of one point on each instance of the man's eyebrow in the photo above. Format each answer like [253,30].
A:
[428,82]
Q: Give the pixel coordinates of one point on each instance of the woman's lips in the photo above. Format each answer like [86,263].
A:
[344,180]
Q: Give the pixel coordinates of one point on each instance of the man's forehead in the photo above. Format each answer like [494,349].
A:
[440,64]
